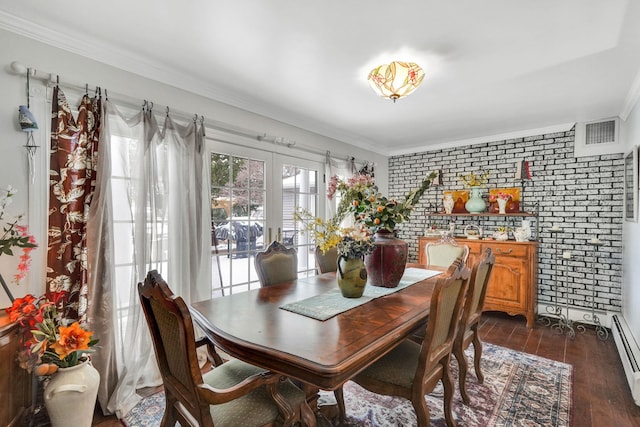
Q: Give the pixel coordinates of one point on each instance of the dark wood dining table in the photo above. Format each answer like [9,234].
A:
[252,327]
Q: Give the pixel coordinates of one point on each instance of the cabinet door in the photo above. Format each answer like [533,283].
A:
[507,287]
[15,390]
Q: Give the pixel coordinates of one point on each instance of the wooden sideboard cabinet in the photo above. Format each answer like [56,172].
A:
[15,382]
[513,285]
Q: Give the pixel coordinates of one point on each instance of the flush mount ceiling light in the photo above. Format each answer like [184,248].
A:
[396,80]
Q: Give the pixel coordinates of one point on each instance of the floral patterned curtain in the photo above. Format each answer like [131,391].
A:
[74,148]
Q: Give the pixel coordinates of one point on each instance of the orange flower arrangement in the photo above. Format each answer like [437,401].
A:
[51,341]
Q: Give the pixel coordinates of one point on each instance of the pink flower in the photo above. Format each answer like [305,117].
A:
[15,236]
[333,186]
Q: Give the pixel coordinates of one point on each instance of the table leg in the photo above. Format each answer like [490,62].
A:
[325,411]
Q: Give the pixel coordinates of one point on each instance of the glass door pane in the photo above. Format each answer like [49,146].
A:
[238,216]
[253,196]
[302,187]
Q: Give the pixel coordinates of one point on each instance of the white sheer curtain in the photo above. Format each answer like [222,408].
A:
[153,203]
[343,169]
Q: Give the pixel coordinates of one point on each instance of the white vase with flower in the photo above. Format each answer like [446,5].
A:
[502,206]
[70,395]
[59,349]
[502,199]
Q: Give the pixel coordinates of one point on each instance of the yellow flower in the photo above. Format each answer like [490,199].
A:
[474,180]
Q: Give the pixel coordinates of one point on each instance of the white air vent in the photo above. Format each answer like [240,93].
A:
[629,354]
[599,137]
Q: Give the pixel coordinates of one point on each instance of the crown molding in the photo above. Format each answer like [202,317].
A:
[632,98]
[82,45]
[87,47]
[563,127]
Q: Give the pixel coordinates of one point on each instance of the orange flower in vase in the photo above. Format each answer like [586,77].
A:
[49,338]
[58,348]
[72,338]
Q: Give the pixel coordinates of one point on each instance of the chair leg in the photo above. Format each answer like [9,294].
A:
[286,411]
[422,410]
[169,417]
[342,412]
[477,354]
[447,382]
[463,368]
[308,418]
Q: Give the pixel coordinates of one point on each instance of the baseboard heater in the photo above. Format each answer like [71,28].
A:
[629,354]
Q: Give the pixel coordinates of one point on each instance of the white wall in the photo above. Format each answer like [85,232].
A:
[631,243]
[77,70]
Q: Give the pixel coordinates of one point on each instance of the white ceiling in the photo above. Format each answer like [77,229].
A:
[493,67]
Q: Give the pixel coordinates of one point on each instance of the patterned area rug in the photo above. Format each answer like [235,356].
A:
[519,390]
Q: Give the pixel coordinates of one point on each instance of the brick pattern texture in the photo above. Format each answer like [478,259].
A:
[583,196]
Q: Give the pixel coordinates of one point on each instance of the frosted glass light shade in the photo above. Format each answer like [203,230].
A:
[396,80]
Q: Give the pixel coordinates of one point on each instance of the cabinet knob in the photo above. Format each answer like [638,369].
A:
[502,251]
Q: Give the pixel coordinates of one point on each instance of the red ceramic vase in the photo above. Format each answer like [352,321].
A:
[385,265]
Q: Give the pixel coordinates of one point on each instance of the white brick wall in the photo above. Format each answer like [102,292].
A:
[583,196]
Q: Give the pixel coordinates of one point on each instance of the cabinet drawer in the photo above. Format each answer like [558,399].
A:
[475,247]
[508,250]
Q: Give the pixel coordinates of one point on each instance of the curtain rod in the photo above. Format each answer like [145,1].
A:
[51,79]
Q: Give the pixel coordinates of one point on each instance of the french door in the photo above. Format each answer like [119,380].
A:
[253,196]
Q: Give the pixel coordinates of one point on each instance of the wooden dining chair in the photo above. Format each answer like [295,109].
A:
[328,261]
[444,251]
[412,370]
[420,331]
[232,393]
[276,264]
[471,313]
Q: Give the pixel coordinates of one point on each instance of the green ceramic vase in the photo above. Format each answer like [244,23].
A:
[476,203]
[352,276]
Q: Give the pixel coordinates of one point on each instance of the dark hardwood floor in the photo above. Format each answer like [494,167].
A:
[601,395]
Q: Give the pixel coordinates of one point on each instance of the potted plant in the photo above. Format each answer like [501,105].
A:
[361,202]
[59,349]
[355,244]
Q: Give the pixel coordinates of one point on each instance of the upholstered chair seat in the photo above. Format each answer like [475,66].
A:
[233,393]
[255,408]
[411,370]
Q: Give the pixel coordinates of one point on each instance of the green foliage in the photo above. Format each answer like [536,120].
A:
[360,197]
[224,169]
